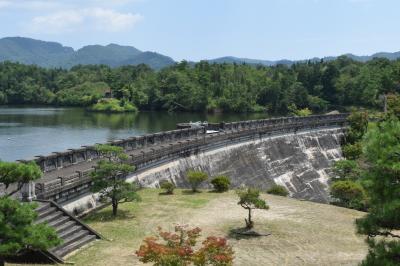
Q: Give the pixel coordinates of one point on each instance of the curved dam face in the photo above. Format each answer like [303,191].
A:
[301,162]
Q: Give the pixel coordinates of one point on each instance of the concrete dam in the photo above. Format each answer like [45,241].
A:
[295,152]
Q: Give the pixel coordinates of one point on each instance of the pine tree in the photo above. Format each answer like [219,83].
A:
[382,152]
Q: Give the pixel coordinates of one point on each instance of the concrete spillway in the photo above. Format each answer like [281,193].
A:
[300,161]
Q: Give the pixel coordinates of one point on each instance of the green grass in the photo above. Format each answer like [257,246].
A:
[303,233]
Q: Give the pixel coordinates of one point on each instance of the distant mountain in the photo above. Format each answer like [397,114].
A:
[29,51]
[52,54]
[237,60]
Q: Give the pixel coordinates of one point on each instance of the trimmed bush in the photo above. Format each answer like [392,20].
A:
[349,194]
[352,151]
[195,178]
[278,190]
[167,186]
[221,183]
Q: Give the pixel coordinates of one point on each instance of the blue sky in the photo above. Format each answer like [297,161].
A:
[200,29]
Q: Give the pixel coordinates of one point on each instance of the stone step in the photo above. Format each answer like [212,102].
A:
[71,239]
[50,218]
[42,207]
[70,231]
[64,226]
[75,245]
[59,222]
[46,212]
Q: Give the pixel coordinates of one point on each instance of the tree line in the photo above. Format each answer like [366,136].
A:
[279,89]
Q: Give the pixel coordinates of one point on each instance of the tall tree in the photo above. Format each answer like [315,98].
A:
[109,177]
[382,152]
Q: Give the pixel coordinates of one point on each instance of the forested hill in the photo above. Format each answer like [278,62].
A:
[52,54]
[281,89]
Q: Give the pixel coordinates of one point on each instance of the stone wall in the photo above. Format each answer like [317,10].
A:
[301,162]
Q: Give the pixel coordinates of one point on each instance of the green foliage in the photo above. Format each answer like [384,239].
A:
[358,126]
[393,104]
[278,190]
[352,151]
[304,112]
[382,253]
[109,178]
[82,95]
[249,199]
[19,173]
[168,186]
[113,106]
[381,151]
[178,249]
[18,232]
[349,194]
[315,86]
[221,183]
[346,169]
[195,178]
[111,152]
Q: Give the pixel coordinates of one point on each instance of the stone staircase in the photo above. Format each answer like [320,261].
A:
[71,230]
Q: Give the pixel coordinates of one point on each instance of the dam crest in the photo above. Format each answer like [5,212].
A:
[295,152]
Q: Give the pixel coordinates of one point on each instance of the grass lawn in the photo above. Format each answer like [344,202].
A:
[302,233]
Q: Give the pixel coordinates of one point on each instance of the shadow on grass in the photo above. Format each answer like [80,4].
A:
[106,215]
[165,194]
[216,191]
[190,192]
[245,233]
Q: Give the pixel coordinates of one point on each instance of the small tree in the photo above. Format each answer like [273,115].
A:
[352,151]
[346,169]
[109,178]
[349,194]
[178,249]
[18,173]
[167,186]
[18,233]
[278,190]
[221,183]
[358,126]
[195,178]
[249,199]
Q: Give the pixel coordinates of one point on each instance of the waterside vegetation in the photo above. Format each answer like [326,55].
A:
[297,89]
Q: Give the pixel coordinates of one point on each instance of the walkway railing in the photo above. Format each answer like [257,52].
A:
[146,151]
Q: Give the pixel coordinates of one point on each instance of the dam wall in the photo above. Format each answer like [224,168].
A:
[231,149]
[299,161]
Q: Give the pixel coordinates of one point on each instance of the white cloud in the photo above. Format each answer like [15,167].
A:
[99,19]
[111,20]
[56,23]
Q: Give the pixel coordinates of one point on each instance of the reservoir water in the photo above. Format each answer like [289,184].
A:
[29,131]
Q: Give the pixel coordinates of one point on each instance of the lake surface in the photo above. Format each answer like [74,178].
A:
[29,131]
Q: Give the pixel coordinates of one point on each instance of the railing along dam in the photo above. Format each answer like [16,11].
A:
[67,174]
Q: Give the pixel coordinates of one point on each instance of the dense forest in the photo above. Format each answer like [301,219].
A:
[279,89]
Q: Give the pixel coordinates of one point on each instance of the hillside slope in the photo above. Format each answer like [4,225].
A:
[52,54]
